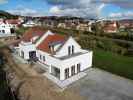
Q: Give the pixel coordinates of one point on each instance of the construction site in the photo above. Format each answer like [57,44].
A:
[29,84]
[26,81]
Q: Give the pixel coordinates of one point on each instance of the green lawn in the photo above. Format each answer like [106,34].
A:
[113,63]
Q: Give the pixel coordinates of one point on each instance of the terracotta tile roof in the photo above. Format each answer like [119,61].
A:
[32,32]
[107,29]
[51,40]
[13,21]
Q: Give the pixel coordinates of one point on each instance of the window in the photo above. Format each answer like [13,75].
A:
[40,57]
[69,50]
[51,48]
[22,54]
[73,70]
[78,68]
[72,49]
[43,58]
[67,73]
[3,31]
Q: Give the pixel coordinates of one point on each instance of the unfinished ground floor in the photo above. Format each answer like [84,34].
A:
[60,67]
[65,73]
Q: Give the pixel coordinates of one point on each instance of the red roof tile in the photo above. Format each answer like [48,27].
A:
[13,21]
[32,32]
[44,45]
[107,29]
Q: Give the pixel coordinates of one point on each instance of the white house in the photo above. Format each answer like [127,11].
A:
[63,56]
[6,29]
[61,25]
[29,23]
[84,27]
[15,23]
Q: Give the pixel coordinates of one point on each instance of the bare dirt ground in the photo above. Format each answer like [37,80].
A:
[30,85]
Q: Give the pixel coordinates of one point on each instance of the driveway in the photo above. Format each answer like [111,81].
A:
[101,85]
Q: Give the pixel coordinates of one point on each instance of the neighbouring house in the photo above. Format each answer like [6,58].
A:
[126,25]
[61,25]
[21,19]
[84,27]
[48,22]
[1,20]
[66,25]
[110,27]
[29,23]
[62,56]
[15,23]
[6,30]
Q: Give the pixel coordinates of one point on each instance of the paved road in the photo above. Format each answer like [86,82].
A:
[101,85]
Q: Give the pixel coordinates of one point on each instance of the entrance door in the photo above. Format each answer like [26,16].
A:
[73,70]
[22,54]
[66,73]
[56,72]
[12,31]
[32,55]
[78,68]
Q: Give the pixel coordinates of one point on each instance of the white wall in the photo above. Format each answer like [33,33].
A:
[84,59]
[7,31]
[6,28]
[49,60]
[29,24]
[26,48]
[64,50]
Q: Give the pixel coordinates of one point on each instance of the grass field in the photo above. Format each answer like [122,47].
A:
[113,63]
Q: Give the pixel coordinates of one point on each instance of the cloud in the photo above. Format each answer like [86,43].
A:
[80,8]
[3,1]
[121,15]
[126,4]
[21,10]
[55,10]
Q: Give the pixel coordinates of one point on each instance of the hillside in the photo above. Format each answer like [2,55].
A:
[4,14]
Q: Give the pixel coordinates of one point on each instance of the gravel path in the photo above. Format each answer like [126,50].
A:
[101,85]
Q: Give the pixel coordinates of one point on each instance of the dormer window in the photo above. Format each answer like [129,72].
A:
[70,50]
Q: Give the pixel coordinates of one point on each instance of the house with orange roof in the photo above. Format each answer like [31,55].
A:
[14,22]
[110,27]
[6,29]
[62,56]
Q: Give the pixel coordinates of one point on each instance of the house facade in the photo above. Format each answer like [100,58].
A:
[110,27]
[15,23]
[29,23]
[62,56]
[84,27]
[6,29]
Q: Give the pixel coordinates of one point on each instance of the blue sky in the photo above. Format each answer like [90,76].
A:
[81,8]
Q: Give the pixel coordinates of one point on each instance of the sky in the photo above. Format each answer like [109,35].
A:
[116,9]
